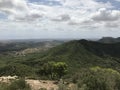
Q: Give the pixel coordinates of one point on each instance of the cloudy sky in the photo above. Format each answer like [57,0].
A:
[21,19]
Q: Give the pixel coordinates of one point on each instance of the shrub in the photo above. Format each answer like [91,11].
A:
[19,85]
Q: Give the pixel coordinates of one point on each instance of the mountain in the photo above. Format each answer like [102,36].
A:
[23,45]
[77,54]
[90,65]
[109,40]
[84,53]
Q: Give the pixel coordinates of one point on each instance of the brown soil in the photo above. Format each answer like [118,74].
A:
[38,84]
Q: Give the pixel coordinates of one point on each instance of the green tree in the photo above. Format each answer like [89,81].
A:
[54,69]
[60,69]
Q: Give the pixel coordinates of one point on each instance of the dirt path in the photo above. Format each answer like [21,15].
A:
[37,84]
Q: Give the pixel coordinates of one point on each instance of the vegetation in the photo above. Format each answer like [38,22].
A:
[95,78]
[16,69]
[15,85]
[89,65]
[99,79]
[53,69]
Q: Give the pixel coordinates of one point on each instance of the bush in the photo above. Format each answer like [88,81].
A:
[98,79]
[19,85]
[54,70]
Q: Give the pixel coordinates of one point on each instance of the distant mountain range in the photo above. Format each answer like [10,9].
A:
[109,40]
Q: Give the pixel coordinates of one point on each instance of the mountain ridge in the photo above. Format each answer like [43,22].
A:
[109,40]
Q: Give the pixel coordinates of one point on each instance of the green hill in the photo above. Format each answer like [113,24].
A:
[109,40]
[90,65]
[76,54]
[82,53]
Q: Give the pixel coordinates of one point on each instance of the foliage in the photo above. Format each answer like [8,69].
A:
[15,69]
[71,61]
[54,69]
[98,79]
[15,85]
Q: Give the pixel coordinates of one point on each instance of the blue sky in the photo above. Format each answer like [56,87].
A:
[26,19]
[46,2]
[113,2]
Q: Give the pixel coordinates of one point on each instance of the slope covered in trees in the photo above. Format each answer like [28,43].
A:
[76,55]
[90,65]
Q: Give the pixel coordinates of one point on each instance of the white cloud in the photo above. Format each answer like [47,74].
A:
[106,18]
[62,18]
[112,24]
[106,15]
[19,10]
[74,14]
[23,10]
[86,4]
[13,6]
[103,18]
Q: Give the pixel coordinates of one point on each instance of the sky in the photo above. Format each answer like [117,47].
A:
[55,19]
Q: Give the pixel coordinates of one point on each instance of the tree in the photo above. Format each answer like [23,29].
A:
[60,68]
[54,69]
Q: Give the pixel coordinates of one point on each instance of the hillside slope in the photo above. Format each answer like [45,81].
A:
[84,53]
[76,54]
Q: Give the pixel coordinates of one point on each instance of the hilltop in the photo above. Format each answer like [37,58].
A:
[109,40]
